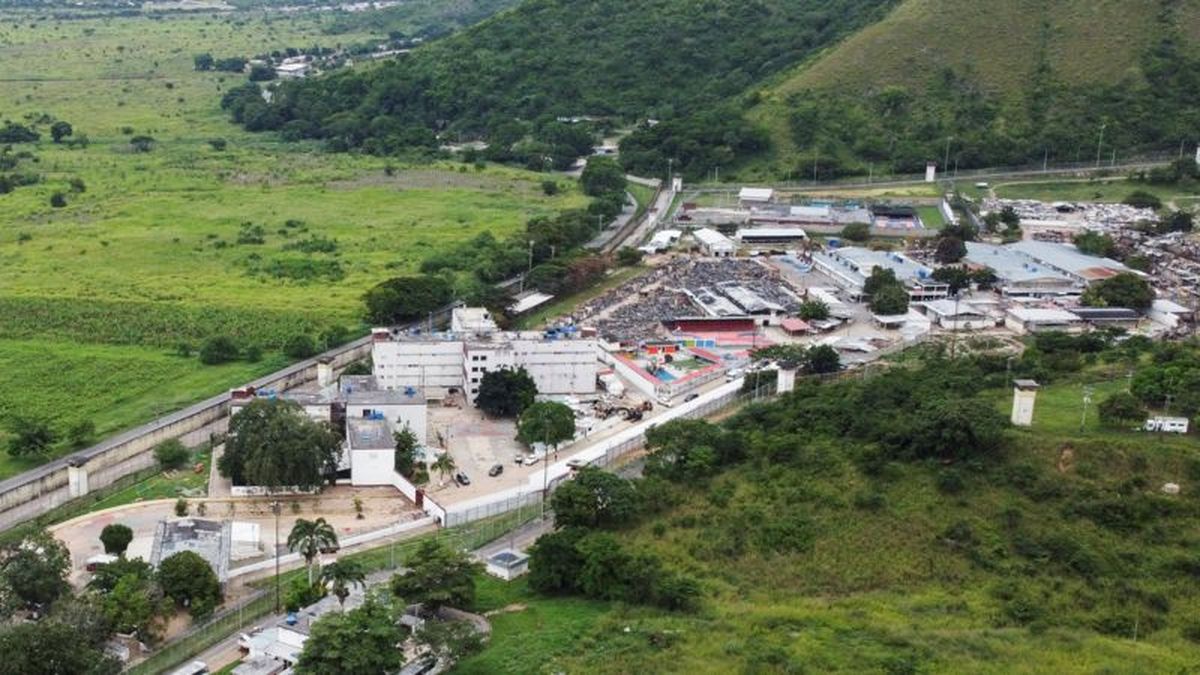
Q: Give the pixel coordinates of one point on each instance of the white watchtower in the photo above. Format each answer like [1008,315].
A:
[1024,395]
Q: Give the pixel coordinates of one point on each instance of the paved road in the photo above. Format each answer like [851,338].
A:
[968,177]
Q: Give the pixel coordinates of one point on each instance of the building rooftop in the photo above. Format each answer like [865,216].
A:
[1070,259]
[1043,315]
[367,433]
[210,539]
[508,559]
[710,237]
[750,194]
[772,233]
[1011,265]
[952,308]
[856,263]
[472,320]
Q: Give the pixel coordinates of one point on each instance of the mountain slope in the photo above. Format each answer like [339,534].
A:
[623,58]
[1002,50]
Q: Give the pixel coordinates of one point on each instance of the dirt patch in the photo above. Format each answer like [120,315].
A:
[507,609]
[1066,459]
[424,179]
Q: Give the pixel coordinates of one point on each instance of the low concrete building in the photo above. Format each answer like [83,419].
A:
[750,197]
[210,539]
[764,236]
[1022,320]
[961,315]
[507,565]
[714,244]
[1170,313]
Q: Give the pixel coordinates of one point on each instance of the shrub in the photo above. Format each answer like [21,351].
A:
[218,349]
[859,232]
[116,538]
[300,347]
[181,507]
[1143,200]
[171,454]
[950,482]
[58,200]
[81,433]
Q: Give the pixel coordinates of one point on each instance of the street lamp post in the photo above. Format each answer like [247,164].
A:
[275,509]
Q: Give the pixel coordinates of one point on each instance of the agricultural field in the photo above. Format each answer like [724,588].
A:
[204,230]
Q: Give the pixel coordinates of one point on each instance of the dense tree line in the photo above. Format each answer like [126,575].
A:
[650,59]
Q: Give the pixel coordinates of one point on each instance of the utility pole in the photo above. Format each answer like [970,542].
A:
[275,509]
[1100,143]
[1087,399]
[946,160]
[1045,160]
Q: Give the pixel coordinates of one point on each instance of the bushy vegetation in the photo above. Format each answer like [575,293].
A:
[652,59]
[893,523]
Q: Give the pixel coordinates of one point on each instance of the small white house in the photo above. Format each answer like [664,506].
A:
[714,244]
[1023,320]
[957,315]
[1167,425]
[750,196]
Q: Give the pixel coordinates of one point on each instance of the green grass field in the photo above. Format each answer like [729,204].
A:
[148,255]
[1109,190]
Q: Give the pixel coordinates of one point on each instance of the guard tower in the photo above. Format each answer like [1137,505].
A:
[1024,395]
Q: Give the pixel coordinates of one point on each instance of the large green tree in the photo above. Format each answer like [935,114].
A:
[190,581]
[548,423]
[595,499]
[35,569]
[1126,290]
[602,175]
[505,392]
[405,299]
[437,576]
[363,640]
[52,647]
[273,443]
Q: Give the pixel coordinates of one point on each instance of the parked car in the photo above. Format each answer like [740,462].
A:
[690,397]
[576,464]
[92,563]
[496,470]
[461,478]
[532,460]
[329,550]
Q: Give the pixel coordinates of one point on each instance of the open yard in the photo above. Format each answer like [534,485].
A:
[210,231]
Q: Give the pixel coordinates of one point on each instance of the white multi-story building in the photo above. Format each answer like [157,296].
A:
[559,363]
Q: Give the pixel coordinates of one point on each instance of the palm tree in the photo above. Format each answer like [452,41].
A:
[444,465]
[308,537]
[340,576]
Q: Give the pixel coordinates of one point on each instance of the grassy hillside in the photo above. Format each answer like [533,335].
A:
[1000,49]
[163,247]
[650,58]
[819,552]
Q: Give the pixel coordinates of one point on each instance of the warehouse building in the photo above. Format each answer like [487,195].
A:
[1019,275]
[851,266]
[714,244]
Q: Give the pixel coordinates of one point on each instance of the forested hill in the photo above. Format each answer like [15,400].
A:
[1008,81]
[627,58]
